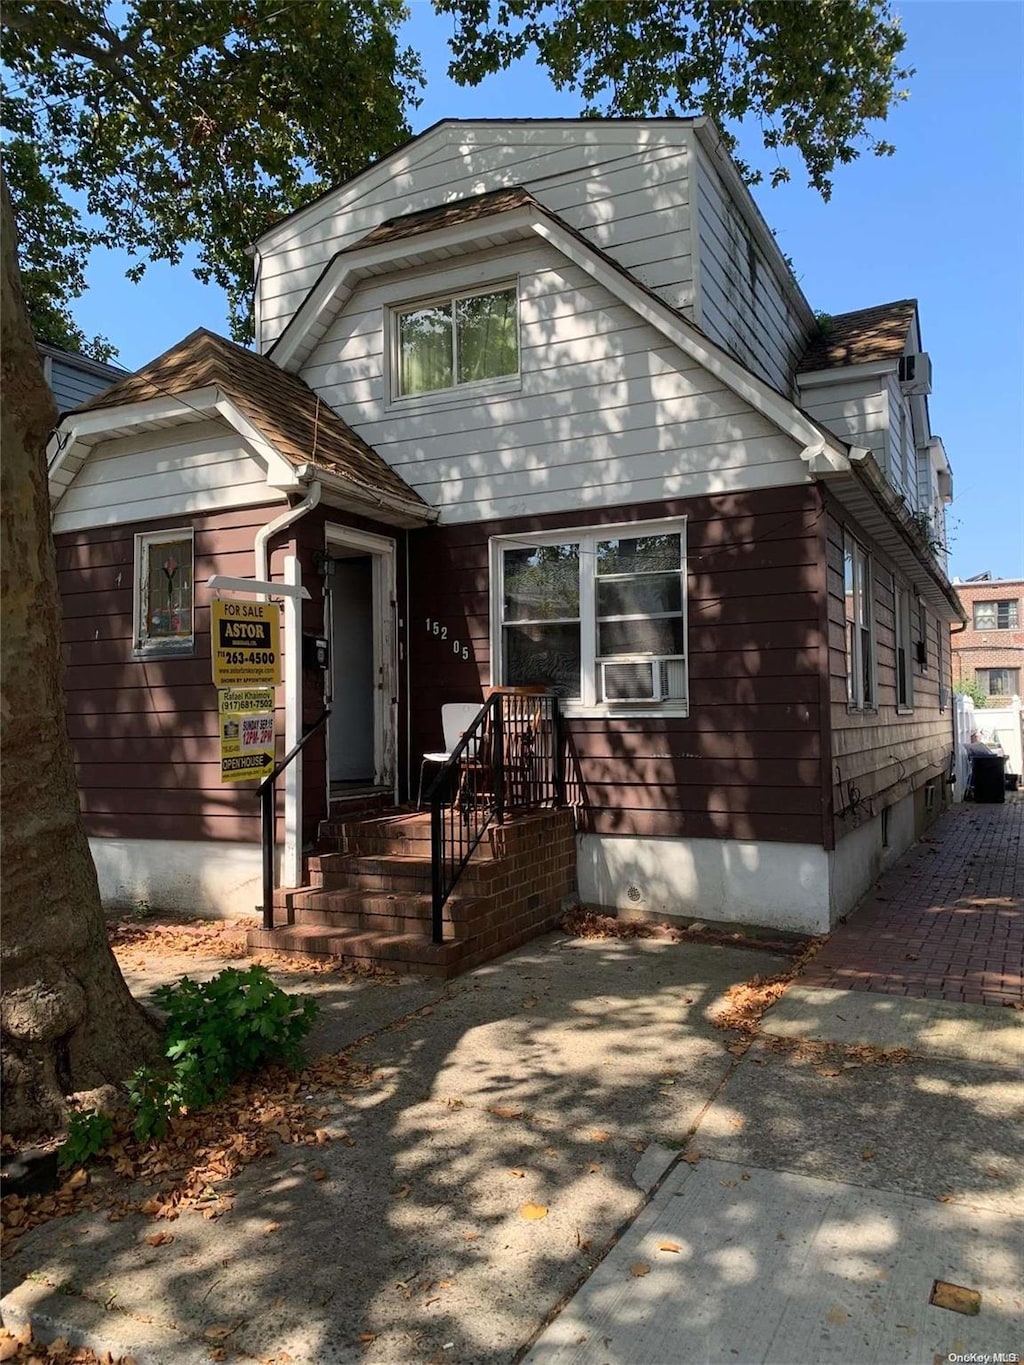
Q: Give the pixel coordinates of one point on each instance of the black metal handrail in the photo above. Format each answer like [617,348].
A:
[508,758]
[266,792]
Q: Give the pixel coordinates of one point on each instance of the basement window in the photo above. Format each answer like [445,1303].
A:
[164,569]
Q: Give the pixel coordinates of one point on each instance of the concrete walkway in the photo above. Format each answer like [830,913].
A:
[947,921]
[833,1187]
[560,1159]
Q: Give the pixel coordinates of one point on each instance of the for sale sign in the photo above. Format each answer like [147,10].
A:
[245,643]
[246,732]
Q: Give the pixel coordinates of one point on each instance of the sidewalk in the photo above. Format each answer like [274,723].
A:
[563,1137]
[833,1182]
[947,921]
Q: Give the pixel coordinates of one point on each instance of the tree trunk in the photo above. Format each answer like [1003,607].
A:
[67,1019]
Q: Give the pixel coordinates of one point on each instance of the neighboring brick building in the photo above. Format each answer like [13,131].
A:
[990,651]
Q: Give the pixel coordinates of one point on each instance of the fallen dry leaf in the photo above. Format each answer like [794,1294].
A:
[598,1135]
[320,1173]
[691,1158]
[533,1212]
[218,1331]
[505,1111]
[159,1239]
[669,1246]
[269,1228]
[638,1269]
[593,1168]
[367,1338]
[867,1154]
[403,1192]
[517,1172]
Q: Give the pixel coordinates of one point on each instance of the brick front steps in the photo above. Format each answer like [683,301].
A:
[368,894]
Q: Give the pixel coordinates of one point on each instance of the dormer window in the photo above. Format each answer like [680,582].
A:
[458,340]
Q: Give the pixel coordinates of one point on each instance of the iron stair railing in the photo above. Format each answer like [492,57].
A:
[268,814]
[508,759]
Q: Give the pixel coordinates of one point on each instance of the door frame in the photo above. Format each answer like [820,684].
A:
[382,551]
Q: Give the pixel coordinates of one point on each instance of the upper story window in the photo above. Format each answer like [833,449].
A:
[459,339]
[996,615]
[860,627]
[164,565]
[599,616]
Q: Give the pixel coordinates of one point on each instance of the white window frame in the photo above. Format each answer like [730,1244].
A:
[497,384]
[145,646]
[904,645]
[587,704]
[859,697]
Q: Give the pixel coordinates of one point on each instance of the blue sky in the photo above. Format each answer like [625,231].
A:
[941,221]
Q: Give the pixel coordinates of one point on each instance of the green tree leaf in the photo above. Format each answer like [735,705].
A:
[159,123]
[816,75]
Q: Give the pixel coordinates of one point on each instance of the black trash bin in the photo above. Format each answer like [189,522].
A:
[987,780]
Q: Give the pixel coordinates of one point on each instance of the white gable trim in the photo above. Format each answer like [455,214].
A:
[822,453]
[69,449]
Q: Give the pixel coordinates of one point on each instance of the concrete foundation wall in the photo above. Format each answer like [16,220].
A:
[778,886]
[218,879]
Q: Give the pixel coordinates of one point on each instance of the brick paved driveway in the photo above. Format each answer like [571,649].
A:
[946,922]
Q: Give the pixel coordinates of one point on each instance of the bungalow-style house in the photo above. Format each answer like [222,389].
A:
[532,403]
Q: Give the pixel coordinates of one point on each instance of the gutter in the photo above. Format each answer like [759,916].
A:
[865,469]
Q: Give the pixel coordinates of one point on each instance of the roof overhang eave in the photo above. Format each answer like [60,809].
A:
[863,491]
[378,504]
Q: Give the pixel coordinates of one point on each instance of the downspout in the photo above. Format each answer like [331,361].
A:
[291,869]
[265,533]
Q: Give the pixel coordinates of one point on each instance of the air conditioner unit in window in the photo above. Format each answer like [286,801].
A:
[634,680]
[916,373]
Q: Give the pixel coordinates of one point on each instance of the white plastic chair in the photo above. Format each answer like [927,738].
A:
[456,718]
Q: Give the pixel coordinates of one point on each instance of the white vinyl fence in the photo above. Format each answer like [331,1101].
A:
[1000,726]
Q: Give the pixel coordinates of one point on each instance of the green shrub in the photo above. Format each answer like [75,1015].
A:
[215,1033]
[88,1134]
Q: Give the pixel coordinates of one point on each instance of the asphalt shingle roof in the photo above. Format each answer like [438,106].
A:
[281,407]
[878,333]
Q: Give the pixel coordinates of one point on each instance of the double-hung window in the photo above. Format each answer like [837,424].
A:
[599,616]
[164,607]
[860,635]
[904,650]
[456,340]
[995,615]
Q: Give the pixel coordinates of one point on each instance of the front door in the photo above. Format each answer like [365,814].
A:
[360,620]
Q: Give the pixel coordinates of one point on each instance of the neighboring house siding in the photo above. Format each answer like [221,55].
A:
[857,410]
[72,385]
[145,732]
[743,305]
[747,763]
[607,412]
[879,755]
[170,472]
[624,187]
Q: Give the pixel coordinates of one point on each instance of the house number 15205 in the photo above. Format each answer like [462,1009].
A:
[436,628]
